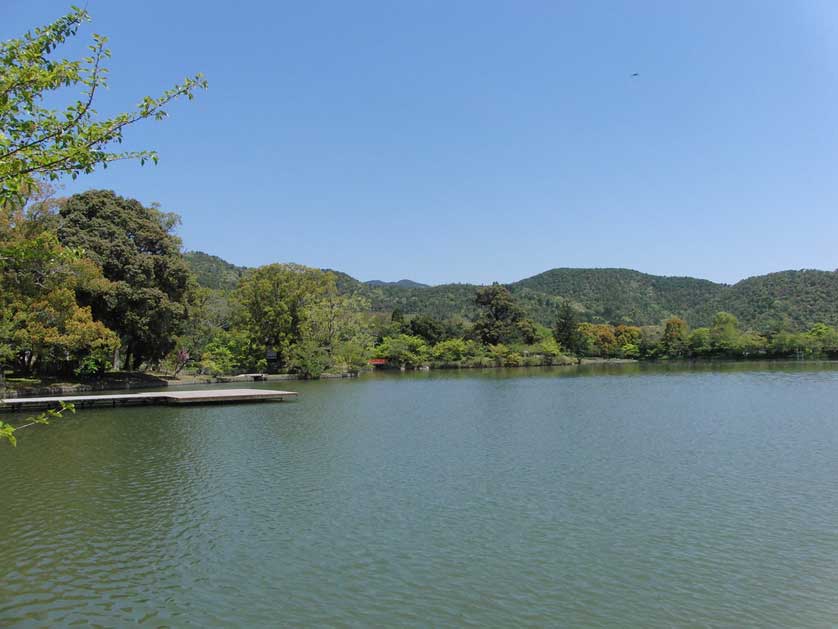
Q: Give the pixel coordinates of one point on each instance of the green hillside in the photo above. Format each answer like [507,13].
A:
[623,295]
[213,272]
[442,302]
[794,299]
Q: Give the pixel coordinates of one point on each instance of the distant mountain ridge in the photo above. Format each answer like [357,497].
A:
[793,299]
[400,283]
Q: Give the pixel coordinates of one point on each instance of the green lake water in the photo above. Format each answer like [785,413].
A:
[640,496]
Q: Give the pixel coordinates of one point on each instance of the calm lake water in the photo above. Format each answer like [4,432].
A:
[620,496]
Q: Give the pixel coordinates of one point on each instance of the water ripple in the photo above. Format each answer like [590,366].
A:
[704,498]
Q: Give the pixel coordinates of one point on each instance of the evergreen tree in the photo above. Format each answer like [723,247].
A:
[502,319]
[566,330]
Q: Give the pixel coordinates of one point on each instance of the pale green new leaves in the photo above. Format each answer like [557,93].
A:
[334,319]
[7,431]
[39,142]
[340,326]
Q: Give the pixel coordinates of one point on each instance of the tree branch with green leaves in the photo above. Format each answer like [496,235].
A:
[7,431]
[38,142]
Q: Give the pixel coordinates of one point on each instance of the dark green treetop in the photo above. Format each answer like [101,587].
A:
[566,329]
[502,319]
[146,302]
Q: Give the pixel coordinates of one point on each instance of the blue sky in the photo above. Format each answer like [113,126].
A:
[478,141]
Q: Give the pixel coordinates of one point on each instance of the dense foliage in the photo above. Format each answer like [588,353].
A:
[621,295]
[146,298]
[270,306]
[566,329]
[795,300]
[502,319]
[723,338]
[774,314]
[43,327]
[97,272]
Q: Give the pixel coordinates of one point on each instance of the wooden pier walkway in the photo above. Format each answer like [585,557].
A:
[208,396]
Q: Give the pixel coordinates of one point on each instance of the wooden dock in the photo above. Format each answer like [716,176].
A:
[207,396]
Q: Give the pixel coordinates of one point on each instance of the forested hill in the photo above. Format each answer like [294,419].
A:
[797,299]
[212,271]
[623,295]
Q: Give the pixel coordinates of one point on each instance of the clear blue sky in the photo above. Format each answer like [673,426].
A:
[479,140]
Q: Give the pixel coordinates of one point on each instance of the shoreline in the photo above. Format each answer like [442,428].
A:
[135,380]
[132,381]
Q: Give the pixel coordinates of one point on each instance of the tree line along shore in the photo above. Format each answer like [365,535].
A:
[96,283]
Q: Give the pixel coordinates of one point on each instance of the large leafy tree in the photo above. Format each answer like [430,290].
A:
[675,336]
[725,335]
[271,304]
[147,299]
[502,319]
[336,331]
[56,331]
[39,142]
[42,327]
[599,338]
